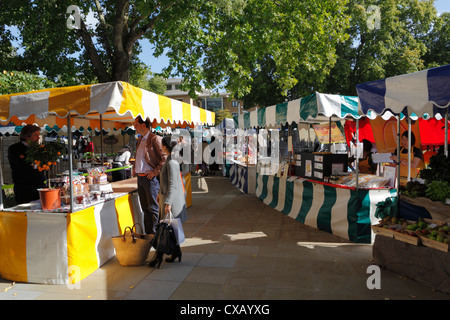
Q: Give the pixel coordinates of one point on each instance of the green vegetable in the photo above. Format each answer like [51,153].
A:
[438,190]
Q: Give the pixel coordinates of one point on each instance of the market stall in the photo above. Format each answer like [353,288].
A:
[314,186]
[66,244]
[415,247]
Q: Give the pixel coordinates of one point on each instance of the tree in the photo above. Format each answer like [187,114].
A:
[19,81]
[209,42]
[397,46]
[438,43]
[222,114]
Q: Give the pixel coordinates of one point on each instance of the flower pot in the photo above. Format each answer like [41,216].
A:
[50,198]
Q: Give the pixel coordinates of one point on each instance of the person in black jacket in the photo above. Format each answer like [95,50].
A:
[25,177]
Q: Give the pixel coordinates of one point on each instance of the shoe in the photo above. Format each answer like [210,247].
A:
[156,261]
[176,254]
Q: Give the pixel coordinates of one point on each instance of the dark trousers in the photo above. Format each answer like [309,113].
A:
[26,193]
[148,191]
[118,175]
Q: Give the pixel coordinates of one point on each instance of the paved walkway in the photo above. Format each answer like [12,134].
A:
[238,248]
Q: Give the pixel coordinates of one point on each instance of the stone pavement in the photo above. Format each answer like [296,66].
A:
[237,248]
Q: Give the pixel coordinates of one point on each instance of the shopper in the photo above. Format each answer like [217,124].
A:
[147,166]
[171,195]
[27,180]
[121,160]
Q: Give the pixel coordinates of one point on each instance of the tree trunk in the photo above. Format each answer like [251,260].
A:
[121,67]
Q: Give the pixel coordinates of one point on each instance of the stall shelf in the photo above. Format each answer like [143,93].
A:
[65,247]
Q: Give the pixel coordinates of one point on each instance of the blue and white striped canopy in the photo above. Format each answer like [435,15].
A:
[423,92]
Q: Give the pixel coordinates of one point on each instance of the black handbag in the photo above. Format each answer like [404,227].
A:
[164,240]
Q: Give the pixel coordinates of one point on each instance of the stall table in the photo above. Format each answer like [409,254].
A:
[62,247]
[426,265]
[343,211]
[243,177]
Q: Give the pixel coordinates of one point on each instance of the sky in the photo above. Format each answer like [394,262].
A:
[157,64]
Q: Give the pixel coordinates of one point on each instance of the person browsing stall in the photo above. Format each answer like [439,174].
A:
[27,180]
[416,156]
[147,166]
[121,160]
[171,195]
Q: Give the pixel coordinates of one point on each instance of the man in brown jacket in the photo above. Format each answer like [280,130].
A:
[148,164]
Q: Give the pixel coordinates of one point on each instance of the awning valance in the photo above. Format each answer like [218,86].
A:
[423,92]
[316,107]
[115,101]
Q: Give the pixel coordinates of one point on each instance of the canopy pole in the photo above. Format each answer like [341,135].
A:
[357,155]
[1,174]
[446,133]
[398,155]
[69,139]
[101,140]
[409,149]
[329,134]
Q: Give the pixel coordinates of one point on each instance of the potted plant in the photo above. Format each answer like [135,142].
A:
[44,156]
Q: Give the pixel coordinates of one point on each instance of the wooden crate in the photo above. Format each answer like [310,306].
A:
[434,244]
[407,238]
[382,231]
[439,223]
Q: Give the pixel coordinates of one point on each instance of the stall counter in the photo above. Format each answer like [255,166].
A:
[243,176]
[343,211]
[57,247]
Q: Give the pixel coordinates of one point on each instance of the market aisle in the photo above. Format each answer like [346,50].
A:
[239,248]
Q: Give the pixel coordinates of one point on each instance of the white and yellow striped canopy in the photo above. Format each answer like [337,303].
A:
[117,102]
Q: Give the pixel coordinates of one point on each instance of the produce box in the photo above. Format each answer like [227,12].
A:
[379,230]
[414,240]
[434,244]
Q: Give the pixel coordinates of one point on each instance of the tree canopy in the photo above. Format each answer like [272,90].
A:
[213,43]
[260,51]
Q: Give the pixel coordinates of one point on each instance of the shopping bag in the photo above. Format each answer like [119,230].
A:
[177,227]
[164,240]
[132,248]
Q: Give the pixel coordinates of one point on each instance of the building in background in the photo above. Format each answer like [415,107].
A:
[205,99]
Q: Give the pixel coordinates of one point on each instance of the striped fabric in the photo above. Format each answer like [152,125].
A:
[423,92]
[239,177]
[63,248]
[344,212]
[307,108]
[115,101]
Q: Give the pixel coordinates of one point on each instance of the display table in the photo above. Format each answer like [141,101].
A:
[243,177]
[426,265]
[343,211]
[62,247]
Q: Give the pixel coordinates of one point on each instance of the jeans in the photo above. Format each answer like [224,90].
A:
[148,191]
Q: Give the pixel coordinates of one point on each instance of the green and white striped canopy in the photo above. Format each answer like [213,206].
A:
[315,107]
